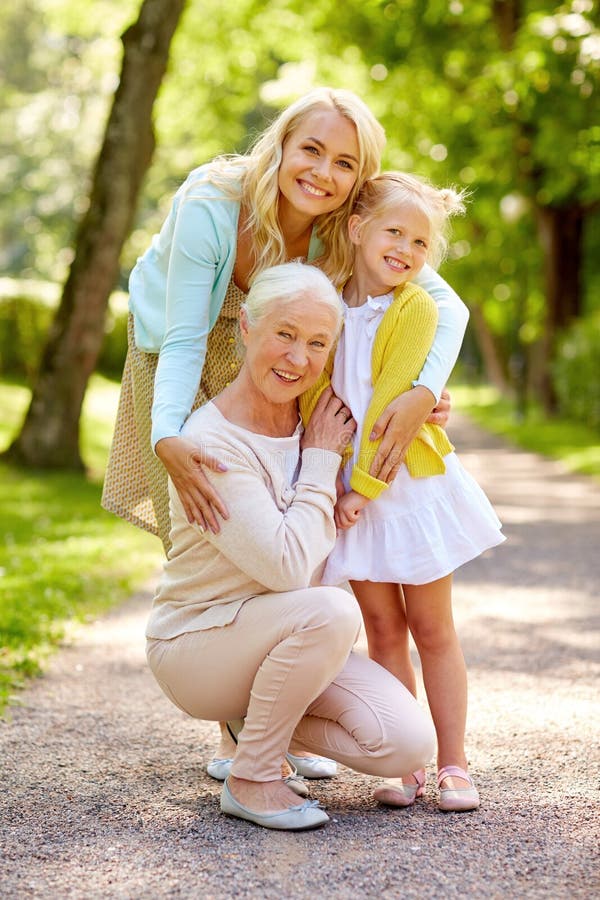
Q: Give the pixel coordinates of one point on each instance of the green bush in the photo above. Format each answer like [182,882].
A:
[26,312]
[576,371]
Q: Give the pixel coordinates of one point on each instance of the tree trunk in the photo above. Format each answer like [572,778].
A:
[507,15]
[489,353]
[49,437]
[561,233]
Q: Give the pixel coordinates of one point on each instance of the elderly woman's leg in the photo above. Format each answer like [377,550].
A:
[367,720]
[268,666]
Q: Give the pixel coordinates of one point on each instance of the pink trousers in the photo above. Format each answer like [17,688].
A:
[286,665]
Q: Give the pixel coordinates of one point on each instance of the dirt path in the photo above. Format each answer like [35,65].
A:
[104,794]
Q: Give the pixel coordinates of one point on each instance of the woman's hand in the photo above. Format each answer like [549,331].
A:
[441,413]
[184,462]
[348,509]
[331,425]
[399,424]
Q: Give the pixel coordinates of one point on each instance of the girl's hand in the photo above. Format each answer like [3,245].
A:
[348,509]
[184,462]
[331,425]
[340,490]
[441,413]
[399,424]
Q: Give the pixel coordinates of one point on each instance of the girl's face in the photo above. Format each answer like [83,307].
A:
[287,349]
[319,165]
[391,248]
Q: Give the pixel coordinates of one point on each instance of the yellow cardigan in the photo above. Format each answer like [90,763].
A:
[402,342]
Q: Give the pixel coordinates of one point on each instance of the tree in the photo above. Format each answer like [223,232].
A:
[49,437]
[502,96]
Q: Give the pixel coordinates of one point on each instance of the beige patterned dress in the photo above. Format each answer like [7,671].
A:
[135,485]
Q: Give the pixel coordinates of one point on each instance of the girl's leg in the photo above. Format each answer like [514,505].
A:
[384,614]
[278,655]
[429,614]
[384,617]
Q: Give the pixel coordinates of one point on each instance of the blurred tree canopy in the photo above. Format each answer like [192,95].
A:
[499,96]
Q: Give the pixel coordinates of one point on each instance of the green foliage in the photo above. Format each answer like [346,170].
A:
[59,63]
[26,311]
[576,371]
[24,322]
[62,558]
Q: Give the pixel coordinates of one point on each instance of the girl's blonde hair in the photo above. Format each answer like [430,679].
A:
[392,189]
[277,285]
[257,175]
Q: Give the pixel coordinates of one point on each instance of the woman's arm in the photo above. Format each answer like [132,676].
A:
[185,463]
[202,251]
[452,322]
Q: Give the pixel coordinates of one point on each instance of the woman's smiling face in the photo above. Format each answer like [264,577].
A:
[320,164]
[288,347]
[391,248]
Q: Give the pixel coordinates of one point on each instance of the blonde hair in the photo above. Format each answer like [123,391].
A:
[392,189]
[258,170]
[278,285]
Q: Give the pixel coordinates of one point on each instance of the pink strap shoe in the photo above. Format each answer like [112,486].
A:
[457,799]
[395,792]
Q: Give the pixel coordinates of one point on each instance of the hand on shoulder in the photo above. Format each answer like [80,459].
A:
[331,426]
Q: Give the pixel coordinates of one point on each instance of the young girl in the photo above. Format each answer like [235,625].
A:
[399,543]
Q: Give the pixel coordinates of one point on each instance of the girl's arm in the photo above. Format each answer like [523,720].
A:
[400,422]
[401,345]
[348,509]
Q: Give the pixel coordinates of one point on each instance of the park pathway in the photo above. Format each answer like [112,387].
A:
[103,792]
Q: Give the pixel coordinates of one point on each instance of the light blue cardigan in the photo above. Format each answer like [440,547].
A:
[177,289]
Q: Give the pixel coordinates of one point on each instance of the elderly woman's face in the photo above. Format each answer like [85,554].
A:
[287,349]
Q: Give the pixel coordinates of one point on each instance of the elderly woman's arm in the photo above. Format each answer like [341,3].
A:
[278,534]
[279,549]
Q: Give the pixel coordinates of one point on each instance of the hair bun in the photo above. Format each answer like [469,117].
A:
[453,201]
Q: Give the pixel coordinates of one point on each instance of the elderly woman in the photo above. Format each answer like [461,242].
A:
[237,631]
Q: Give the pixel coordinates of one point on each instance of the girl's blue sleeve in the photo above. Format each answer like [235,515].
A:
[195,255]
[452,322]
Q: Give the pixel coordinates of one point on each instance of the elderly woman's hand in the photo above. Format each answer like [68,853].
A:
[184,462]
[331,425]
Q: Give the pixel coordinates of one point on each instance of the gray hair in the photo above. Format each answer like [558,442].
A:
[287,282]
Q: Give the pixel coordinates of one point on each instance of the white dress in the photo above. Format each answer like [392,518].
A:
[419,529]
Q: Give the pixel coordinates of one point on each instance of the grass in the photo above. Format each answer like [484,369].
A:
[62,558]
[574,443]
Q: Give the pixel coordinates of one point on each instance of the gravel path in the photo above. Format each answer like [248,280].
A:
[104,793]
